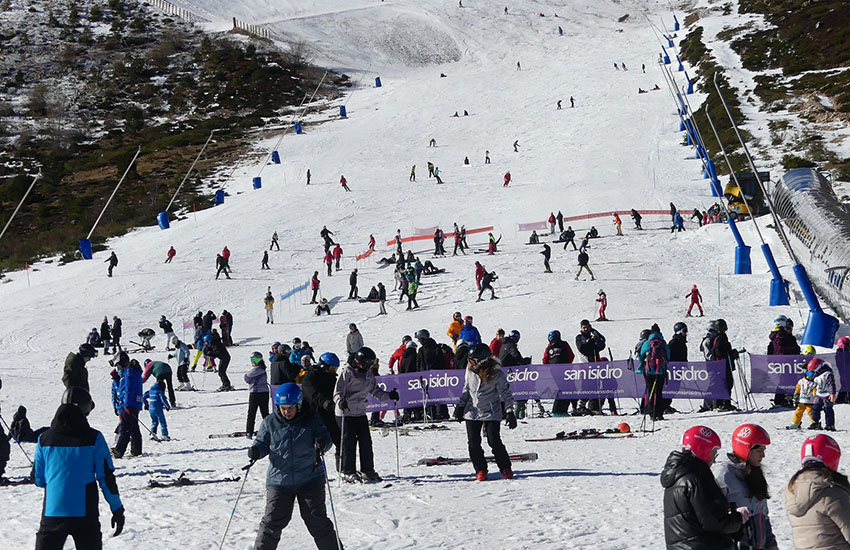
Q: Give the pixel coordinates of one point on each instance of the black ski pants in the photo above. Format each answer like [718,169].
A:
[333,428]
[168,383]
[494,438]
[485,287]
[4,450]
[53,532]
[223,361]
[280,502]
[128,433]
[355,429]
[568,241]
[256,401]
[655,403]
[183,373]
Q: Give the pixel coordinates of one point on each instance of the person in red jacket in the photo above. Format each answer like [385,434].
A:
[507,179]
[552,222]
[337,255]
[398,353]
[695,297]
[496,343]
[329,260]
[344,183]
[371,242]
[314,286]
[225,253]
[171,254]
[479,274]
[603,304]
[619,223]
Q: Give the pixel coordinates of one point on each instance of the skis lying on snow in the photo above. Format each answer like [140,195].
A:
[589,433]
[182,481]
[231,434]
[11,482]
[442,461]
[407,430]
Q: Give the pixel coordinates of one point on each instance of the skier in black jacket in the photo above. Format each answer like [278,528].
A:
[569,236]
[352,282]
[547,253]
[318,387]
[589,342]
[697,515]
[281,370]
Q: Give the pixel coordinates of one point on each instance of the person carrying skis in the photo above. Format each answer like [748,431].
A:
[469,333]
[602,300]
[71,460]
[742,481]
[547,253]
[486,283]
[654,356]
[696,512]
[479,274]
[485,388]
[344,183]
[268,304]
[696,298]
[258,392]
[817,498]
[582,264]
[294,438]
[507,179]
[618,223]
[168,329]
[558,352]
[568,237]
[154,401]
[314,286]
[637,218]
[171,254]
[455,328]
[130,399]
[355,381]
[113,261]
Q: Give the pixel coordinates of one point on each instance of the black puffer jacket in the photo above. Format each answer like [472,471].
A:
[318,386]
[408,360]
[696,513]
[429,356]
[282,372]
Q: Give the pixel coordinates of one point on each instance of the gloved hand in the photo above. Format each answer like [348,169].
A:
[510,417]
[343,405]
[458,414]
[394,394]
[254,453]
[832,398]
[118,521]
[170,356]
[745,512]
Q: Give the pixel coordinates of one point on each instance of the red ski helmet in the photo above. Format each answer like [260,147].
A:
[701,441]
[624,428]
[821,448]
[468,319]
[814,364]
[747,436]
[843,343]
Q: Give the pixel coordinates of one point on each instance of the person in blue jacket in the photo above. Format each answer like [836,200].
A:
[294,438]
[130,393]
[71,459]
[654,356]
[156,404]
[469,333]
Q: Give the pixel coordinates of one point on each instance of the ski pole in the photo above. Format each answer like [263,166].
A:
[341,449]
[397,428]
[233,512]
[155,438]
[16,441]
[330,499]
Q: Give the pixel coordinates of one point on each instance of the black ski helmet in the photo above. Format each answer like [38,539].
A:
[721,325]
[75,395]
[364,359]
[422,334]
[680,327]
[644,334]
[555,336]
[515,336]
[87,350]
[479,354]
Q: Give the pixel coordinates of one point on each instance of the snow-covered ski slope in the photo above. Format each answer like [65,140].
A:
[615,150]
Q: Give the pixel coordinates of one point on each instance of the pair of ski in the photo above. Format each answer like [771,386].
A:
[159,482]
[589,433]
[231,434]
[12,482]
[443,461]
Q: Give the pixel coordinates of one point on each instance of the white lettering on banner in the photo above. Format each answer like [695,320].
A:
[775,367]
[604,373]
[523,376]
[688,374]
[441,381]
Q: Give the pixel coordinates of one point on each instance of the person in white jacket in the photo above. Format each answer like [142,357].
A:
[485,387]
[355,381]
[353,340]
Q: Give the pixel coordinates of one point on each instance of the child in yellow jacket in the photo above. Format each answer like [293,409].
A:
[804,397]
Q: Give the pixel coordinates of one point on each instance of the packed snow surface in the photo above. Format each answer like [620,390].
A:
[615,150]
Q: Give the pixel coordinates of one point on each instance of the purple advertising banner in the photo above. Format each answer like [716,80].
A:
[780,373]
[698,379]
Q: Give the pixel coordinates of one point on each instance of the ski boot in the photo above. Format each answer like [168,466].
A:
[815,426]
[353,477]
[507,473]
[370,477]
[481,475]
[829,428]
[792,427]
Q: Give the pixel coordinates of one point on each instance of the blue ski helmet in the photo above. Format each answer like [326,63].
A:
[288,394]
[515,335]
[329,359]
[207,338]
[555,336]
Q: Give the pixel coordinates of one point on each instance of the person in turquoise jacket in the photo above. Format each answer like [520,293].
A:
[71,460]
[294,438]
[654,356]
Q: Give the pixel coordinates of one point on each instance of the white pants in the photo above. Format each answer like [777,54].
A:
[270,316]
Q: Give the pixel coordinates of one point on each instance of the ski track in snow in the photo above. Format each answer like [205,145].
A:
[615,150]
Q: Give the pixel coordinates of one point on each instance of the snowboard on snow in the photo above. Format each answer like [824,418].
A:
[12,482]
[442,461]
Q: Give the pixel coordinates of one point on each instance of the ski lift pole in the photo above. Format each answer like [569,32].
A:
[8,223]
[179,187]
[105,206]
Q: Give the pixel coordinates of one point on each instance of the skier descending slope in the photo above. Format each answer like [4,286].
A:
[292,436]
[485,387]
[696,513]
